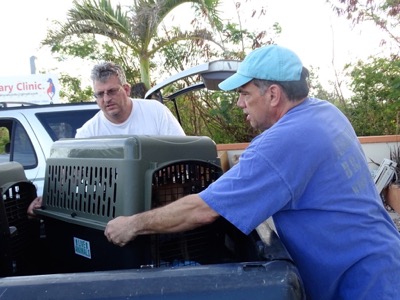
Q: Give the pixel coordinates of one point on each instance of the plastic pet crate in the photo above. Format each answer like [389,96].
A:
[19,235]
[91,181]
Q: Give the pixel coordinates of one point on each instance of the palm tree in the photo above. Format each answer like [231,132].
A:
[137,29]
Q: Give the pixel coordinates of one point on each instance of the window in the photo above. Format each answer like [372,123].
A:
[4,144]
[15,144]
[63,124]
[23,151]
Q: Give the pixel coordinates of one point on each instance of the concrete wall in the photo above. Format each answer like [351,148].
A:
[376,148]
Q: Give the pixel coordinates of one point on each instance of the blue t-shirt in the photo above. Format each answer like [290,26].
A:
[309,172]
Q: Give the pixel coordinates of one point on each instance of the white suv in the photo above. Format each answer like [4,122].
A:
[27,133]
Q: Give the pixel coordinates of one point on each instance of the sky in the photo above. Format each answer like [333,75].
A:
[309,27]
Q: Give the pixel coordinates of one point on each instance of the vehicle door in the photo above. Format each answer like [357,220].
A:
[18,143]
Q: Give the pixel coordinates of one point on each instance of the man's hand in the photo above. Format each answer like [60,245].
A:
[120,231]
[35,204]
[181,215]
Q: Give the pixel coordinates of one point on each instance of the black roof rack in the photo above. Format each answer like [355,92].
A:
[16,103]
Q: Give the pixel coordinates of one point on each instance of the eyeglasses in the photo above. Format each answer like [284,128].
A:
[110,92]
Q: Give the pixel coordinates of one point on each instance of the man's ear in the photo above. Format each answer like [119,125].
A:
[276,94]
[127,89]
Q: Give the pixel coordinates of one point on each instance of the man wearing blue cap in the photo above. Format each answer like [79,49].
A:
[307,170]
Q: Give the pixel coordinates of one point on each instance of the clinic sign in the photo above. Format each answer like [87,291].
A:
[35,88]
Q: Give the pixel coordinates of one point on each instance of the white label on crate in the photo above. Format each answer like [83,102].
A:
[82,248]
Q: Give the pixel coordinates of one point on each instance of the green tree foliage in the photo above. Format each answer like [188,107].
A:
[90,49]
[4,138]
[213,114]
[72,90]
[374,108]
[318,91]
[135,30]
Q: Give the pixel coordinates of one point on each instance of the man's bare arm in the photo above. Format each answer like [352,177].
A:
[184,214]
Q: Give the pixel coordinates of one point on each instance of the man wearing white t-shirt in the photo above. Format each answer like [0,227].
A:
[119,114]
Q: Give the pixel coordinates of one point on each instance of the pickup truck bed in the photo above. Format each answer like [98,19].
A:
[274,277]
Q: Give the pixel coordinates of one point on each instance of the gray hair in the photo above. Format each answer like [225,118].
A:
[103,71]
[295,90]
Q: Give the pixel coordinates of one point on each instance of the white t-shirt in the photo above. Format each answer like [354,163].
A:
[148,117]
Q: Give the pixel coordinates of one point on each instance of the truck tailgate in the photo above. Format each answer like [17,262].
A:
[276,279]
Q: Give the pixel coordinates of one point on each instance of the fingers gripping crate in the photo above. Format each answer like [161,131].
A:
[91,181]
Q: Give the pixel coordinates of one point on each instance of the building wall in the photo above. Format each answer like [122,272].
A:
[376,148]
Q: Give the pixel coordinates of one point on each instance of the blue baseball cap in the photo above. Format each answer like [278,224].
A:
[270,62]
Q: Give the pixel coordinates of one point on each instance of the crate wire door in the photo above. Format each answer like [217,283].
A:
[169,184]
[19,234]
